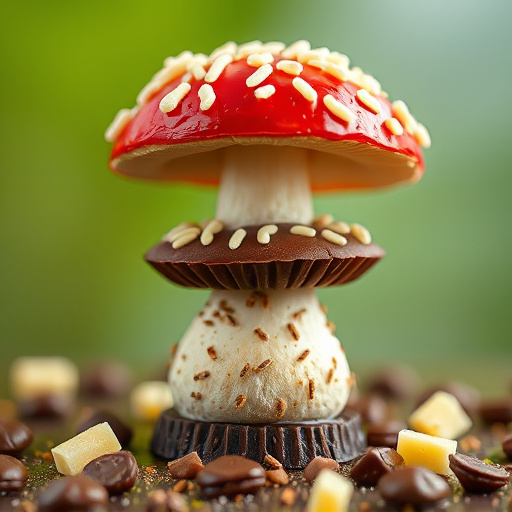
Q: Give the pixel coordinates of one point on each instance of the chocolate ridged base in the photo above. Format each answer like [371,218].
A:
[292,444]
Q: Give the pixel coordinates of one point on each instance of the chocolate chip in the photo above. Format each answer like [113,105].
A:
[106,379]
[374,464]
[230,475]
[13,474]
[162,501]
[14,436]
[47,406]
[497,411]
[413,485]
[467,396]
[122,431]
[477,476]
[372,408]
[117,472]
[506,444]
[185,468]
[316,465]
[396,382]
[384,433]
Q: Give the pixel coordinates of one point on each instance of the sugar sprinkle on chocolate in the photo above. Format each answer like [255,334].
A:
[202,375]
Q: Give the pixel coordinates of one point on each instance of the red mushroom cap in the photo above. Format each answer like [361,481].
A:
[357,138]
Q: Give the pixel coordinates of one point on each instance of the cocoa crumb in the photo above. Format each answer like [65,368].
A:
[261,334]
[240,401]
[311,389]
[288,497]
[225,307]
[293,331]
[212,353]
[245,369]
[180,486]
[262,366]
[330,375]
[202,375]
[196,395]
[298,313]
[304,355]
[280,408]
[272,462]
[209,323]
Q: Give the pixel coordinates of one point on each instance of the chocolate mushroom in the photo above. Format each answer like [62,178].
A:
[269,124]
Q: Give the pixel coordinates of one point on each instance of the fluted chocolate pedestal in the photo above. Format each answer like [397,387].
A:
[292,444]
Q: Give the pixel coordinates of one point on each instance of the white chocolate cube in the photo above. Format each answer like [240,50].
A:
[331,492]
[72,456]
[150,398]
[441,415]
[32,377]
[431,452]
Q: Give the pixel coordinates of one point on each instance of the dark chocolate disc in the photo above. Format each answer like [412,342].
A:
[287,261]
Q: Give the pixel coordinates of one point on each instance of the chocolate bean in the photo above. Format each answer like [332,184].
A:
[106,379]
[506,444]
[316,465]
[467,396]
[117,472]
[187,467]
[230,475]
[73,493]
[122,431]
[384,433]
[497,411]
[396,382]
[14,436]
[13,474]
[162,501]
[46,406]
[371,407]
[414,486]
[477,476]
[374,464]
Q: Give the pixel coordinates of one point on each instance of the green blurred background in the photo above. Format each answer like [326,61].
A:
[72,279]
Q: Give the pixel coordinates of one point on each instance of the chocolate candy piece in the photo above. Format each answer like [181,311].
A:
[506,444]
[72,493]
[122,431]
[278,476]
[384,433]
[14,436]
[185,468]
[395,383]
[106,379]
[371,407]
[13,474]
[46,406]
[497,411]
[413,485]
[477,476]
[162,501]
[316,465]
[117,472]
[375,463]
[230,475]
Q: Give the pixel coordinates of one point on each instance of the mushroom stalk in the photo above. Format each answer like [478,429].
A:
[264,185]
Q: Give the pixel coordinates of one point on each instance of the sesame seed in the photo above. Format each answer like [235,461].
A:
[262,366]
[315,54]
[261,74]
[171,100]
[202,375]
[123,117]
[265,92]
[330,375]
[394,126]
[298,314]
[272,462]
[186,77]
[368,100]
[339,227]
[212,353]
[291,67]
[246,49]
[311,389]
[303,231]
[280,408]
[240,401]
[218,66]
[185,238]
[400,110]
[237,238]
[422,136]
[318,63]
[361,234]
[274,47]
[304,355]
[184,56]
[245,369]
[196,395]
[229,48]
[262,335]
[295,48]
[305,89]
[339,59]
[264,233]
[322,220]
[258,59]
[338,109]
[293,331]
[339,72]
[212,228]
[334,238]
[183,229]
[198,71]
[206,95]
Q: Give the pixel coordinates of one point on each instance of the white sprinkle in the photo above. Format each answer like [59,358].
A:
[292,67]
[259,75]
[274,47]
[182,57]
[338,109]
[295,48]
[317,53]
[218,67]
[400,110]
[368,100]
[184,229]
[303,231]
[229,48]
[337,71]
[186,77]
[171,100]
[394,126]
[361,233]
[339,227]
[422,136]
[206,95]
[237,238]
[264,233]
[258,59]
[339,59]
[305,89]
[184,239]
[247,48]
[264,92]
[323,219]
[212,228]
[371,85]
[318,63]
[198,71]
[119,123]
[333,237]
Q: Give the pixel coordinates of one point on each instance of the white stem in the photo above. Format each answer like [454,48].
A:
[264,185]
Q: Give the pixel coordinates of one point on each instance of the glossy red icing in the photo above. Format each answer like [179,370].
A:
[237,112]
